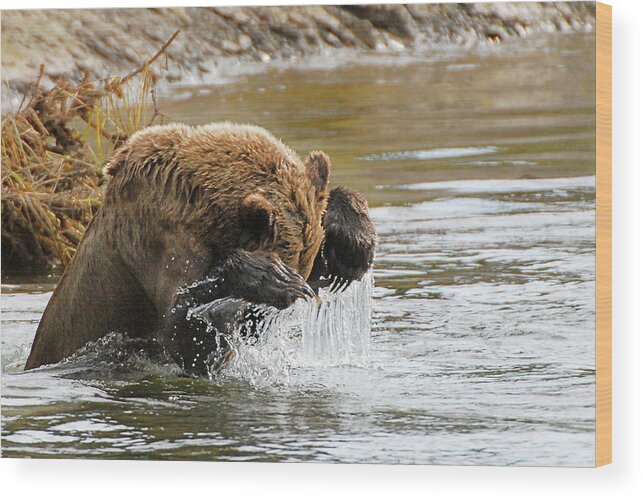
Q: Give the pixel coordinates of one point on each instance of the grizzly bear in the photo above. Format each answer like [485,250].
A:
[190,215]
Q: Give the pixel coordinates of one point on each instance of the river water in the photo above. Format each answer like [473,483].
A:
[479,169]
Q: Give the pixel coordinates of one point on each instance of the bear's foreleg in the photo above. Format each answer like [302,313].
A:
[196,343]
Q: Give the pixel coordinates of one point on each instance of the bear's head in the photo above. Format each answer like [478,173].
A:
[230,185]
[287,218]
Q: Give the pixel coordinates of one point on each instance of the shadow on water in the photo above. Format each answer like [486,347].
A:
[479,168]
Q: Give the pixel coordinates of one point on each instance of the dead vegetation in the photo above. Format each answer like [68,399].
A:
[53,149]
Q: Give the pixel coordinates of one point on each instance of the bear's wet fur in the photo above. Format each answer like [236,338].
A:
[191,214]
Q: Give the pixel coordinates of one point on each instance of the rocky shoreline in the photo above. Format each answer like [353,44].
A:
[215,40]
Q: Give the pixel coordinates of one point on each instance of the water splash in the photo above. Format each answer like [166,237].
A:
[338,331]
[334,332]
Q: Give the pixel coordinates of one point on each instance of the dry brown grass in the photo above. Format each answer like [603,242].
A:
[53,149]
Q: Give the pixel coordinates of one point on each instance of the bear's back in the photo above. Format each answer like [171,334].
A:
[208,152]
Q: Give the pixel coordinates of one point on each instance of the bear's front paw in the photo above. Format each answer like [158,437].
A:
[347,258]
[350,239]
[264,279]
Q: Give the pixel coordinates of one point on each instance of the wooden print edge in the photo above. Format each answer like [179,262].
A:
[603,234]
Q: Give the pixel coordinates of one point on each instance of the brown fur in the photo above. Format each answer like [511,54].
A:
[179,198]
[211,168]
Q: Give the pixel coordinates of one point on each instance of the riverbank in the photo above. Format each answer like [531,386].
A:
[216,41]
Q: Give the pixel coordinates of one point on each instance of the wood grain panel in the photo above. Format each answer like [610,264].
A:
[603,234]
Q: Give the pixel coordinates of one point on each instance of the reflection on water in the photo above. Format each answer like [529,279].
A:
[479,167]
[451,152]
[546,185]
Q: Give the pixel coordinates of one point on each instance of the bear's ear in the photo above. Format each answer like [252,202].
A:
[117,161]
[318,166]
[256,219]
